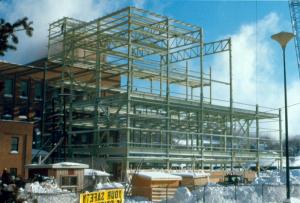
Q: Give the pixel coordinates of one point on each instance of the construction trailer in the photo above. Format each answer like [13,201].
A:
[136,89]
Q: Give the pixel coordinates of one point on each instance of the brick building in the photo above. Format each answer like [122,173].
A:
[21,94]
[15,146]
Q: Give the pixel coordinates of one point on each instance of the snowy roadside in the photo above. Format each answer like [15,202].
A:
[269,187]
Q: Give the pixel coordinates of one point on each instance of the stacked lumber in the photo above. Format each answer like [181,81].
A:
[216,176]
[250,175]
[193,179]
[155,186]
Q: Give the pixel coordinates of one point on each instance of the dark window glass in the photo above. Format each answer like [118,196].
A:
[64,181]
[24,89]
[38,90]
[38,114]
[7,112]
[73,180]
[8,87]
[13,171]
[14,144]
[68,180]
[23,113]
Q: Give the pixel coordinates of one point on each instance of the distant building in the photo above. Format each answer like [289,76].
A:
[15,146]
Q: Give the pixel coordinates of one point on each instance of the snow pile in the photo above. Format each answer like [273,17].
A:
[277,177]
[93,172]
[182,195]
[137,199]
[112,185]
[270,178]
[45,187]
[268,187]
[295,173]
[296,162]
[46,192]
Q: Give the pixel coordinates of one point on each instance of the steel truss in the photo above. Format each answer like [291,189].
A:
[136,94]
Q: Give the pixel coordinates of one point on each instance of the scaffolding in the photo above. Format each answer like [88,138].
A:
[294,6]
[141,89]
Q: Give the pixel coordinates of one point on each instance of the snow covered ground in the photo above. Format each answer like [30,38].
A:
[268,188]
[46,192]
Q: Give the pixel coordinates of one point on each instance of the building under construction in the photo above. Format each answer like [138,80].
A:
[136,89]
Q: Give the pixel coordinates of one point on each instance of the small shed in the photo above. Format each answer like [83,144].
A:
[68,175]
[193,179]
[155,186]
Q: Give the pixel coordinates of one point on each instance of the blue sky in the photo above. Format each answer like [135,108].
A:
[257,59]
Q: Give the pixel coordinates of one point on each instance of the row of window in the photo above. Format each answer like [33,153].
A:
[22,113]
[9,85]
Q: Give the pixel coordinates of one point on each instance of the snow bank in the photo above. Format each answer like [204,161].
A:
[112,185]
[278,177]
[42,188]
[137,199]
[46,192]
[93,172]
[182,195]
[269,187]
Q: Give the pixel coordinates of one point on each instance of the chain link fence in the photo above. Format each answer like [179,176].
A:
[262,193]
[244,193]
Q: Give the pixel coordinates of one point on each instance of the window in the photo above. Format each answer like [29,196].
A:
[14,144]
[38,90]
[23,113]
[24,89]
[38,114]
[7,112]
[13,171]
[8,88]
[68,180]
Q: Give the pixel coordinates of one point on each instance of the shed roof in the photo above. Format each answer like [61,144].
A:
[158,176]
[191,174]
[93,172]
[60,165]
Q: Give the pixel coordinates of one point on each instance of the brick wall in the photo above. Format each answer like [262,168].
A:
[8,159]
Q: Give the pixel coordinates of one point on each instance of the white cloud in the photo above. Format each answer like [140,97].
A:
[139,3]
[43,12]
[255,69]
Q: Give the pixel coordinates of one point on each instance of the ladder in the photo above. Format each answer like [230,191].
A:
[52,150]
[129,187]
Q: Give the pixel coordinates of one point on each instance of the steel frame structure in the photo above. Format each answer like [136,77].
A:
[294,6]
[140,88]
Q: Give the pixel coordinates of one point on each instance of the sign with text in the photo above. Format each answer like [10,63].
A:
[103,196]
